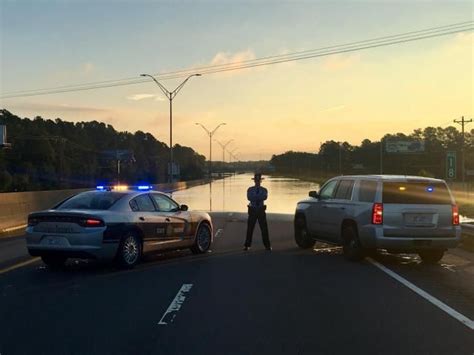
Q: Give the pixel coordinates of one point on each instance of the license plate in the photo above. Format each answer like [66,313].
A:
[53,241]
[418,219]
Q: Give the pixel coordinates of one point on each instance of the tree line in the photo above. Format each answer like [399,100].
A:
[47,154]
[343,158]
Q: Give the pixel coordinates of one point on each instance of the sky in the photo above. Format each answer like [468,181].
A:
[267,110]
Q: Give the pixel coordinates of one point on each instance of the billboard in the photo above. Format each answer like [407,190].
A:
[404,146]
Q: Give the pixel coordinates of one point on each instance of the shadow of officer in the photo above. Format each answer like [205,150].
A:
[256,209]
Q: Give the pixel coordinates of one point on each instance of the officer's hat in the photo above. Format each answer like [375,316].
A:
[258,177]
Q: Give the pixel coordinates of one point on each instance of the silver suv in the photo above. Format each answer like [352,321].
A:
[402,214]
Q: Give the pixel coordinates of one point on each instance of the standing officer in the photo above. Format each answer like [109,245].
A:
[256,208]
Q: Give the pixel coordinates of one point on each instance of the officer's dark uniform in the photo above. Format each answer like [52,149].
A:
[256,209]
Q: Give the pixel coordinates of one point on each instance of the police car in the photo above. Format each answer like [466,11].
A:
[119,223]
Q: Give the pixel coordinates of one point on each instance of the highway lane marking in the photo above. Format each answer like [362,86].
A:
[175,305]
[6,230]
[443,306]
[16,266]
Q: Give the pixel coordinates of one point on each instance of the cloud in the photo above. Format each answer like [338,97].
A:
[340,61]
[461,42]
[334,108]
[138,97]
[40,107]
[87,68]
[236,58]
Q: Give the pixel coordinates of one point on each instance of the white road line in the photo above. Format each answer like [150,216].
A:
[443,306]
[175,306]
[16,266]
[6,230]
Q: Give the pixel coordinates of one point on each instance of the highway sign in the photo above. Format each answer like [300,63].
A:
[451,165]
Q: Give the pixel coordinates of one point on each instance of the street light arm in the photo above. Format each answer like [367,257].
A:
[204,128]
[215,129]
[228,142]
[180,86]
[165,90]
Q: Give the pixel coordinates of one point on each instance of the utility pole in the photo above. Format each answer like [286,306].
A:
[462,122]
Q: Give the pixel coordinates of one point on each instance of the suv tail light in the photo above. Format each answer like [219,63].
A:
[377,213]
[92,222]
[455,215]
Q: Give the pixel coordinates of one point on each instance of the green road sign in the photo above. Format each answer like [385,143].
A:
[451,165]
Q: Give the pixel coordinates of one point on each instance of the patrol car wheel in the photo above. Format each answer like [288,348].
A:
[351,247]
[203,239]
[302,237]
[431,256]
[54,261]
[129,252]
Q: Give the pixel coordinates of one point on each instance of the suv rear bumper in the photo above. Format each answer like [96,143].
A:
[373,237]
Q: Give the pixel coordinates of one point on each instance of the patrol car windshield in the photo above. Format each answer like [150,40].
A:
[415,193]
[91,200]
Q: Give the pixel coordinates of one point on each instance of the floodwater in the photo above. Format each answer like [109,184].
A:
[230,194]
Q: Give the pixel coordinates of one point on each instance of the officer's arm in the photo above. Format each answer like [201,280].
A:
[250,194]
[264,195]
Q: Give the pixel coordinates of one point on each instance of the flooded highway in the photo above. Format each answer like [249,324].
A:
[230,194]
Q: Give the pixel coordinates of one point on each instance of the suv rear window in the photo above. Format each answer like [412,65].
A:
[367,190]
[91,200]
[415,193]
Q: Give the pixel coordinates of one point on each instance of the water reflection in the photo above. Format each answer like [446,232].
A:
[230,194]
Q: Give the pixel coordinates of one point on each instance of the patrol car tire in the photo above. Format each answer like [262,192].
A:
[302,237]
[351,247]
[54,261]
[203,239]
[129,252]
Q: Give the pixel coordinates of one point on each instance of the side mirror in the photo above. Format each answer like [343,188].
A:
[313,194]
[184,207]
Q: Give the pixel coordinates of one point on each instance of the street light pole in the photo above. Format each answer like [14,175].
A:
[170,96]
[224,146]
[210,134]
[231,153]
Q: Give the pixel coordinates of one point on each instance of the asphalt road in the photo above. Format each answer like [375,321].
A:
[288,301]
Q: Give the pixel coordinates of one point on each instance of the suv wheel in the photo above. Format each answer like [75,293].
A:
[54,261]
[431,256]
[129,252]
[351,247]
[203,239]
[302,237]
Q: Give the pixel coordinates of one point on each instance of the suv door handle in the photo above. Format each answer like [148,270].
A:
[141,218]
[324,206]
[342,208]
[167,220]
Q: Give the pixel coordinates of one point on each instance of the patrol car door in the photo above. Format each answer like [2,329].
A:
[153,226]
[178,226]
